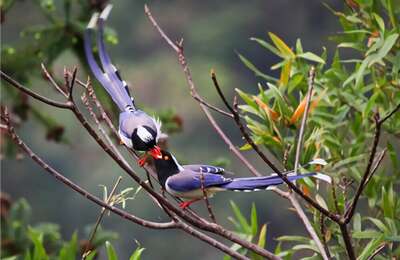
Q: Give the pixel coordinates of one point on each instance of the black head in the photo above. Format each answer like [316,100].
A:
[166,166]
[143,138]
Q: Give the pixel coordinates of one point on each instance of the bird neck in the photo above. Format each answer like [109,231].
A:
[166,169]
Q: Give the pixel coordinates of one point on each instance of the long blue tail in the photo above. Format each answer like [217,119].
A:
[259,183]
[109,79]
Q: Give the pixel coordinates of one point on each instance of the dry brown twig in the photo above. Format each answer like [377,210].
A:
[178,47]
[181,215]
[205,198]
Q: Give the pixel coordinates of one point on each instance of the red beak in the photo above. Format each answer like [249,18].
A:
[155,152]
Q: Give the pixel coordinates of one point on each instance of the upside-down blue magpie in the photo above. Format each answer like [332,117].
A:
[186,181]
[137,129]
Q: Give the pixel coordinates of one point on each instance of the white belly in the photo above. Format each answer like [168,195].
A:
[194,194]
[126,141]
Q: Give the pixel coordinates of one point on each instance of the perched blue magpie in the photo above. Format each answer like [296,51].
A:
[185,181]
[137,129]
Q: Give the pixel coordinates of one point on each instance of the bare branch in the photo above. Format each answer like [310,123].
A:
[78,189]
[323,235]
[347,241]
[311,78]
[199,223]
[99,218]
[72,84]
[33,94]
[378,162]
[122,213]
[391,113]
[202,101]
[205,198]
[53,82]
[179,50]
[350,211]
[377,251]
[242,129]
[307,224]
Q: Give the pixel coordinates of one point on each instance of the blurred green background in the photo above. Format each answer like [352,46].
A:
[213,32]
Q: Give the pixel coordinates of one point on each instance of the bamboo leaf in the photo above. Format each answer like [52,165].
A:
[311,57]
[281,45]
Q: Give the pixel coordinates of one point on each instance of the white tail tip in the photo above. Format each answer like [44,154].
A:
[318,161]
[93,21]
[106,11]
[323,177]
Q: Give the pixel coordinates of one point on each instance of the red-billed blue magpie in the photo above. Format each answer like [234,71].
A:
[186,182]
[137,129]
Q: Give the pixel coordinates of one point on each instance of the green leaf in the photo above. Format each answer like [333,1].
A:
[282,105]
[366,234]
[247,98]
[388,204]
[91,255]
[379,224]
[256,71]
[69,250]
[370,248]
[357,222]
[387,46]
[321,201]
[393,155]
[137,253]
[380,22]
[254,222]
[370,104]
[111,254]
[311,57]
[281,45]
[39,253]
[14,257]
[242,220]
[293,238]
[262,236]
[267,46]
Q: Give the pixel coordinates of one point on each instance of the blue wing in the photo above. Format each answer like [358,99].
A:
[204,168]
[113,87]
[190,180]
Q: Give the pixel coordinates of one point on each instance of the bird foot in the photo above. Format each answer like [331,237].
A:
[142,161]
[185,204]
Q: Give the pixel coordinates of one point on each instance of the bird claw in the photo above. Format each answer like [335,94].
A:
[184,204]
[142,161]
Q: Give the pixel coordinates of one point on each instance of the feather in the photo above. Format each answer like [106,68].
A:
[119,88]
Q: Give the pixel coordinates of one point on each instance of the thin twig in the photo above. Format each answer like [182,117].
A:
[307,224]
[121,213]
[205,198]
[33,94]
[149,171]
[350,211]
[376,166]
[99,218]
[242,129]
[286,156]
[195,95]
[335,201]
[202,101]
[75,187]
[390,114]
[323,235]
[377,251]
[53,82]
[347,241]
[201,224]
[311,78]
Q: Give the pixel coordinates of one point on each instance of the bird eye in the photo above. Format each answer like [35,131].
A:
[166,157]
